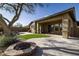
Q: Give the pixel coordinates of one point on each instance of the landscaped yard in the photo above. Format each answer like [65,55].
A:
[29,36]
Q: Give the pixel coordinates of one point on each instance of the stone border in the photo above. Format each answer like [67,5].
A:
[10,51]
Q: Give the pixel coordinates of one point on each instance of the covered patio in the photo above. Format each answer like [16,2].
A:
[51,27]
[62,23]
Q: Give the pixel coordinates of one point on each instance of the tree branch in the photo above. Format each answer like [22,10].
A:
[1,19]
[18,12]
[11,6]
[6,19]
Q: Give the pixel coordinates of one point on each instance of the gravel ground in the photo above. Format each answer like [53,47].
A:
[56,46]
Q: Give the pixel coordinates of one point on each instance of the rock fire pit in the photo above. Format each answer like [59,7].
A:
[20,49]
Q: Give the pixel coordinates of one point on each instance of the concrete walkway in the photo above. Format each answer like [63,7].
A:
[56,46]
[24,33]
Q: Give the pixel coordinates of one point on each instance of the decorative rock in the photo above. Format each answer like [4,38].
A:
[11,51]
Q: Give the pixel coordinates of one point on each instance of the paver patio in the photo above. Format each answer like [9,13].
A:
[56,46]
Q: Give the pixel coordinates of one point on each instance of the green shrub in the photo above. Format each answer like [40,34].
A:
[7,40]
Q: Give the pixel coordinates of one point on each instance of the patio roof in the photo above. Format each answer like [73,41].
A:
[71,12]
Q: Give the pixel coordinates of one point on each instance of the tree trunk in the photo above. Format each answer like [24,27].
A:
[6,29]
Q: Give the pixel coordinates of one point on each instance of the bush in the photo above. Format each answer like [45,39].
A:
[7,40]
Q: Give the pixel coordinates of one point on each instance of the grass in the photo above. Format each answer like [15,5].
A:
[29,36]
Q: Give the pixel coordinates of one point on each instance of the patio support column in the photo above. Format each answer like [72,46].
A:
[46,28]
[65,27]
[35,27]
[59,29]
[38,29]
[54,29]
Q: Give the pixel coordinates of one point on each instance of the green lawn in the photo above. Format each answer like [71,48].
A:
[29,36]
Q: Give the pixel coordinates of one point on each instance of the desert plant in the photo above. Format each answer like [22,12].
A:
[7,40]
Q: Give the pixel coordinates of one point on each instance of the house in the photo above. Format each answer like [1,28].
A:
[63,23]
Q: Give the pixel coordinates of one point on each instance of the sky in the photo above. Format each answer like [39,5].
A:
[41,12]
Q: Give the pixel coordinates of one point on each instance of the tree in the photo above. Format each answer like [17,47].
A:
[17,9]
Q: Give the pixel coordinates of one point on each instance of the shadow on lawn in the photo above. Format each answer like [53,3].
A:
[63,49]
[53,47]
[68,50]
[73,38]
[38,52]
